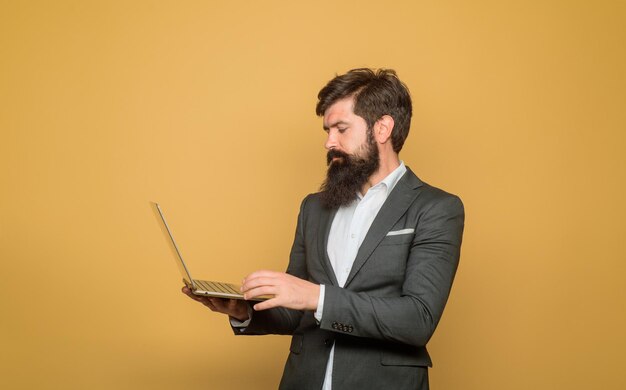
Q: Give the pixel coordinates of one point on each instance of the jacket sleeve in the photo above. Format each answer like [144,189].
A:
[410,318]
[281,320]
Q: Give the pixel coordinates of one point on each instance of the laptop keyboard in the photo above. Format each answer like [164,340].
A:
[225,288]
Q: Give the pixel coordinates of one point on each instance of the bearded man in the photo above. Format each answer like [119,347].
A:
[374,255]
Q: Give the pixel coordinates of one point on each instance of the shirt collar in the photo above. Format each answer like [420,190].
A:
[390,181]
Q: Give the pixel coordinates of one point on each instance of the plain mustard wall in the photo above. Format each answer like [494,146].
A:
[208,107]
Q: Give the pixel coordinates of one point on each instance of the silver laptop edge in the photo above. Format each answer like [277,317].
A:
[172,244]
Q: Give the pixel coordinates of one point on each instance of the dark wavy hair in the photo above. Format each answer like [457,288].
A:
[376,93]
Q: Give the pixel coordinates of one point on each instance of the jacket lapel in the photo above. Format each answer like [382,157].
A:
[326,220]
[394,207]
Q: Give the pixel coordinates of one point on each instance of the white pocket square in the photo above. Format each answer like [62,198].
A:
[399,232]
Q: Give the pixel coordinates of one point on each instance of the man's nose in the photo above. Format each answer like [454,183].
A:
[331,140]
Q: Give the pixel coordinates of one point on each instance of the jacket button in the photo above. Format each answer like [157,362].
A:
[350,329]
[335,325]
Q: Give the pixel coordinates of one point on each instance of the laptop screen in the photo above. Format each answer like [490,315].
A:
[172,244]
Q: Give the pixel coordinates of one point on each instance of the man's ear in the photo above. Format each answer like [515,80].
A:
[383,128]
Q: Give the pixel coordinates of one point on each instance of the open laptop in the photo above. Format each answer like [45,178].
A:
[198,287]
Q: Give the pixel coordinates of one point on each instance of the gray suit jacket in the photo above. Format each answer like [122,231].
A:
[381,320]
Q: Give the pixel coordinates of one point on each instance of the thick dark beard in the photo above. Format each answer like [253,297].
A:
[346,176]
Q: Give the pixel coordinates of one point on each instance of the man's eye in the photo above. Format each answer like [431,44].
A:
[342,129]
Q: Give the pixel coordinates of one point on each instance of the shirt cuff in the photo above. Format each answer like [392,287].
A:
[241,325]
[320,304]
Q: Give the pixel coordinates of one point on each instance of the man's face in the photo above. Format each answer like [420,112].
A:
[352,154]
[347,132]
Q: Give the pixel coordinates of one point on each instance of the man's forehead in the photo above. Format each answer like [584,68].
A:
[339,112]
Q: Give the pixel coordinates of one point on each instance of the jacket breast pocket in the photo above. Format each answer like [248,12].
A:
[399,239]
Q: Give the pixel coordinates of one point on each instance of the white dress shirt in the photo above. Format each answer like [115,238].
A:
[347,232]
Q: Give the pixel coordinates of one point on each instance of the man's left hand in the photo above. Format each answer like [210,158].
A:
[288,291]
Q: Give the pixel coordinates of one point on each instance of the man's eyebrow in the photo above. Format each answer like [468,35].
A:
[335,124]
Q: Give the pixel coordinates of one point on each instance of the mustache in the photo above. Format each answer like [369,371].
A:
[335,153]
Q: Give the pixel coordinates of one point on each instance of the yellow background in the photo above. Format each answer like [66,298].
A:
[208,108]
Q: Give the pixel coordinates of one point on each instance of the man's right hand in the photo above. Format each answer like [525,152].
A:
[235,308]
